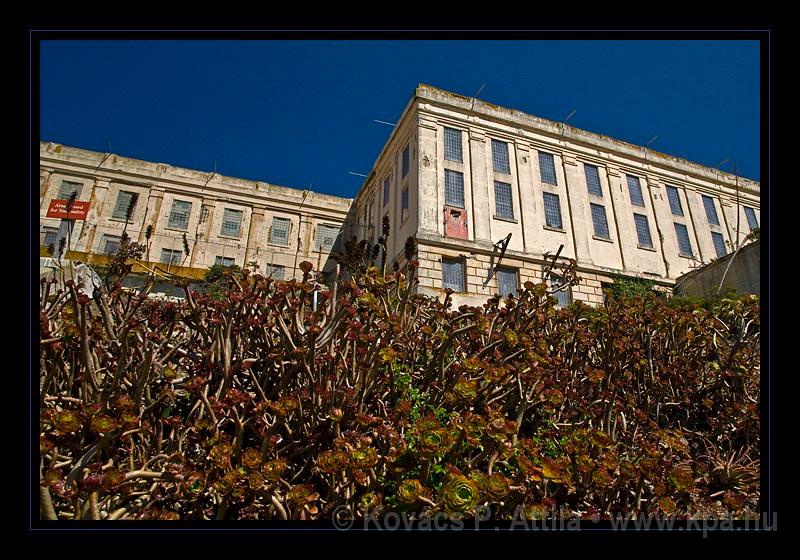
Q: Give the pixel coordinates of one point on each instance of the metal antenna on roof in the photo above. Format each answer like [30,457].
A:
[359,174]
[570,115]
[384,122]
[648,145]
[477,93]
[108,155]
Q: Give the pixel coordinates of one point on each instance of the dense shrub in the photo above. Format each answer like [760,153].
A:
[260,406]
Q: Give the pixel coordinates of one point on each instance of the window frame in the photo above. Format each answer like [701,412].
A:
[592,207]
[506,211]
[589,183]
[501,159]
[638,188]
[749,215]
[447,200]
[124,210]
[646,222]
[225,221]
[450,261]
[547,216]
[551,161]
[676,201]
[715,236]
[711,210]
[174,253]
[272,240]
[172,214]
[680,229]
[507,270]
[449,141]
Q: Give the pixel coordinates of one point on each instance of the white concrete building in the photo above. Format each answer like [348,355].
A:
[225,220]
[460,174]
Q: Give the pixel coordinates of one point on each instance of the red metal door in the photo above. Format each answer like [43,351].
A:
[455,222]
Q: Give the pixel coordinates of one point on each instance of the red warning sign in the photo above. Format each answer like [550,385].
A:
[58,209]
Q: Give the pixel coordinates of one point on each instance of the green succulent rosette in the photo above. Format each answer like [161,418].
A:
[410,490]
[460,494]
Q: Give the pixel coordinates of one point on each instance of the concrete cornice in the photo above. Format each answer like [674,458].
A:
[560,132]
[84,163]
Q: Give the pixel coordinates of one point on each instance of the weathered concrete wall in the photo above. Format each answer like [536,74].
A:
[102,177]
[432,110]
[744,275]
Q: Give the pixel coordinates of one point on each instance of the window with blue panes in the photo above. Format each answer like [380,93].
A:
[674,201]
[453,274]
[635,190]
[406,161]
[599,221]
[500,162]
[643,230]
[751,217]
[503,202]
[552,210]
[387,186]
[593,179]
[684,243]
[564,295]
[711,210]
[452,144]
[547,168]
[719,244]
[507,283]
[453,188]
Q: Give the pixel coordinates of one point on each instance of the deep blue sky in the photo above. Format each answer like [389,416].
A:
[293,112]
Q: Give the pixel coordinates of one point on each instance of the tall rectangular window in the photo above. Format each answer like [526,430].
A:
[326,237]
[279,232]
[111,244]
[547,168]
[225,261]
[50,236]
[504,205]
[406,162]
[711,210]
[635,190]
[674,201]
[67,188]
[684,244]
[370,219]
[387,187]
[453,274]
[171,256]
[500,161]
[276,271]
[599,221]
[404,205]
[453,188]
[552,211]
[593,179]
[719,244]
[231,222]
[643,230]
[751,217]
[179,215]
[124,199]
[452,144]
[564,295]
[507,281]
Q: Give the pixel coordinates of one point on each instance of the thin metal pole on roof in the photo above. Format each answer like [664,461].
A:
[570,115]
[384,122]
[358,174]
